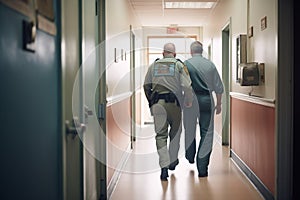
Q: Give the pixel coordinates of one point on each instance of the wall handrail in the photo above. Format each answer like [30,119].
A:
[117,98]
[254,99]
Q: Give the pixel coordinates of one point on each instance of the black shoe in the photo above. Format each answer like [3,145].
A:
[203,174]
[164,174]
[173,165]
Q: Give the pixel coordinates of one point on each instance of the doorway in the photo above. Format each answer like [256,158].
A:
[84,170]
[226,49]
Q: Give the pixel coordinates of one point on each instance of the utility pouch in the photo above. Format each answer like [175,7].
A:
[153,99]
[171,98]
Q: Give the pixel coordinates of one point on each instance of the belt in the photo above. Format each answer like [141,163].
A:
[169,98]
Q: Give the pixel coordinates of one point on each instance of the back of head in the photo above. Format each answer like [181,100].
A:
[196,47]
[169,48]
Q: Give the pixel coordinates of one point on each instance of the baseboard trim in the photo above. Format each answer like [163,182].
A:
[265,192]
[116,176]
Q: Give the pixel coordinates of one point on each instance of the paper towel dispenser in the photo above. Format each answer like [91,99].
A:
[249,74]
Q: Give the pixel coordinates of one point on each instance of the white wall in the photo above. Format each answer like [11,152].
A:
[262,47]
[119,16]
[118,36]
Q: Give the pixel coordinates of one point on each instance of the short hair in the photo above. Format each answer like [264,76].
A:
[196,47]
[169,48]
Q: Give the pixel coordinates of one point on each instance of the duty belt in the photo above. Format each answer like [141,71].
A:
[169,98]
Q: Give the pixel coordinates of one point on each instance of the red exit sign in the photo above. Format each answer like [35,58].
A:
[171,30]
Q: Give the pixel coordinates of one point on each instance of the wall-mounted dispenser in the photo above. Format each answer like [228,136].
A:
[249,74]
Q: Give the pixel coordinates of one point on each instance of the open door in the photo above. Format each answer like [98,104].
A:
[70,63]
[83,61]
[226,49]
[91,92]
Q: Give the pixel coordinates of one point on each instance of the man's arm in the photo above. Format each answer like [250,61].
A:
[186,84]
[219,103]
[148,85]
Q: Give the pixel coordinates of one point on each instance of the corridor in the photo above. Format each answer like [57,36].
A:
[225,180]
[71,99]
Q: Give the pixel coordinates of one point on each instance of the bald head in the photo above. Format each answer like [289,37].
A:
[169,50]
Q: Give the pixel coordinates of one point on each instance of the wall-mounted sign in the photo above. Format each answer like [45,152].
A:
[45,8]
[263,23]
[172,30]
[45,16]
[46,25]
[22,6]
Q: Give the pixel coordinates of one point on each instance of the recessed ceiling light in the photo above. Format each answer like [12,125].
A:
[187,5]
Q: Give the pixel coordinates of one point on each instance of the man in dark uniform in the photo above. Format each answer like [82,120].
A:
[205,80]
[167,84]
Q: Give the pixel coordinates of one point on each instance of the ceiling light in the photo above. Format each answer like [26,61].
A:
[187,5]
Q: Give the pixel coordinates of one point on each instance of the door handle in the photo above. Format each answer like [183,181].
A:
[74,127]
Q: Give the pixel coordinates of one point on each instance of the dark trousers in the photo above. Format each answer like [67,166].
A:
[202,110]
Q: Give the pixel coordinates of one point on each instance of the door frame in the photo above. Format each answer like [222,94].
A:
[74,190]
[226,77]
[132,88]
[72,148]
[101,167]
[285,126]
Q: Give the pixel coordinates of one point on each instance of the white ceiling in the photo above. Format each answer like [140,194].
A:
[152,13]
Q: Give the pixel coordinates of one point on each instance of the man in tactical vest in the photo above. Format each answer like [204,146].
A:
[167,86]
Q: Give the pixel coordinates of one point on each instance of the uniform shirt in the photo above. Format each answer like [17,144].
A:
[168,75]
[204,75]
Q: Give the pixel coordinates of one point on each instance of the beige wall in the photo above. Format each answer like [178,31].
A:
[118,83]
[116,24]
[262,47]
[118,36]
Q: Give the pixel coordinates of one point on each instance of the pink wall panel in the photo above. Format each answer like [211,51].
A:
[118,133]
[253,138]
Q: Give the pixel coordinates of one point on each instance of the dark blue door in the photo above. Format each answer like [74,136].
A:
[29,113]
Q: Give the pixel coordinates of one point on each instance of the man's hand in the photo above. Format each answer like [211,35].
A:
[188,105]
[218,109]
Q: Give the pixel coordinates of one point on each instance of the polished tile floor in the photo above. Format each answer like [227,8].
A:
[140,180]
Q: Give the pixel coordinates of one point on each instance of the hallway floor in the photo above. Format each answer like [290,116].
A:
[224,182]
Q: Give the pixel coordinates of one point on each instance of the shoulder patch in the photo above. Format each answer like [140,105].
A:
[186,69]
[184,66]
[164,69]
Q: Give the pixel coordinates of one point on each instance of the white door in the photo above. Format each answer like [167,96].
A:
[84,164]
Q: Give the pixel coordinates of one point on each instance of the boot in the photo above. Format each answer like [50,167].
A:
[164,174]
